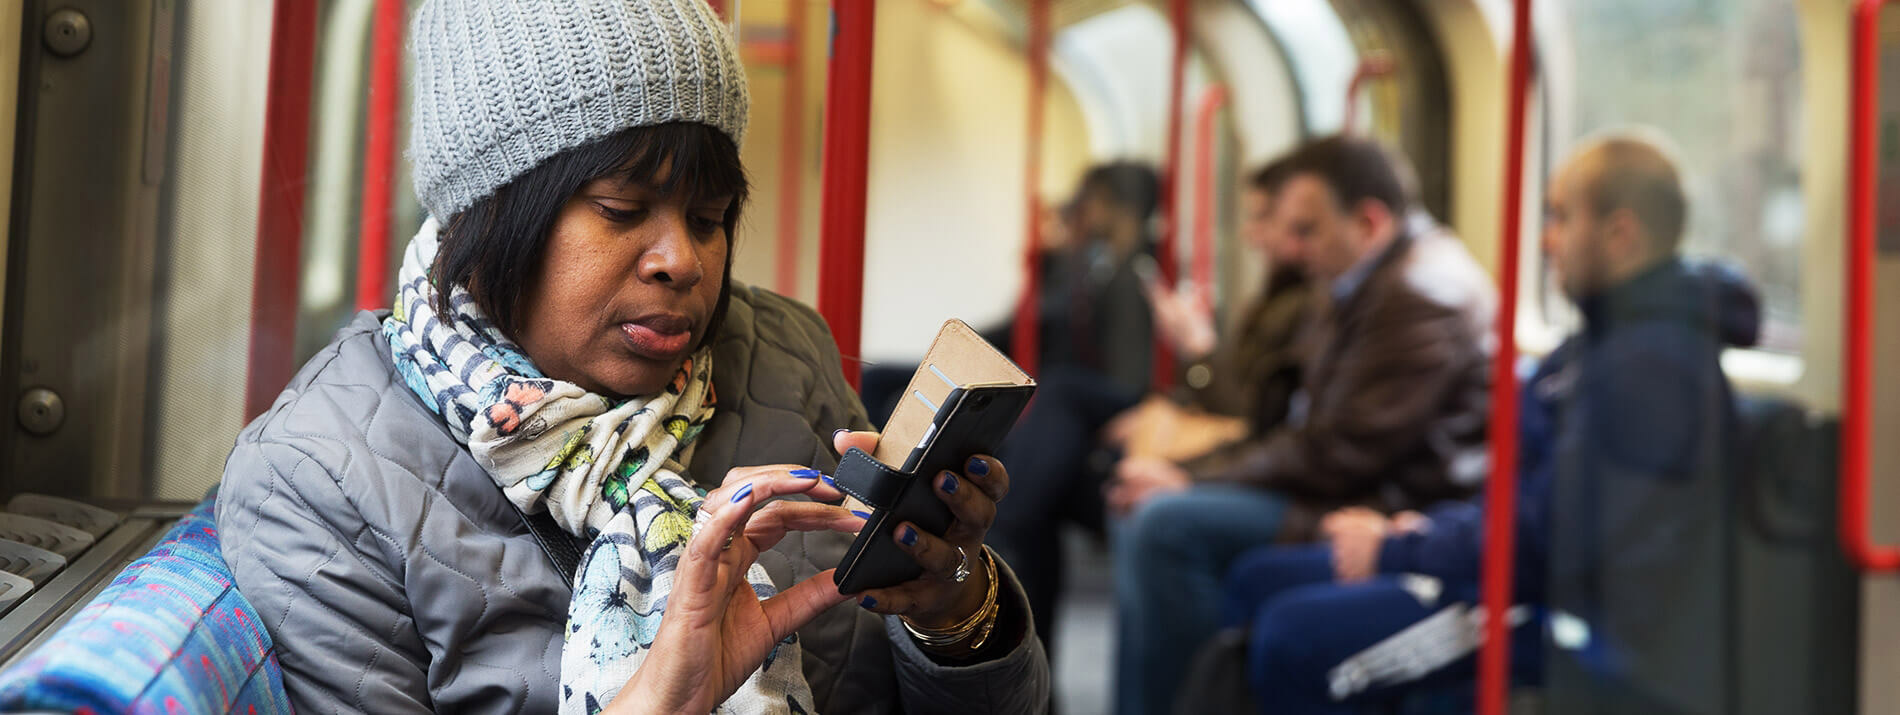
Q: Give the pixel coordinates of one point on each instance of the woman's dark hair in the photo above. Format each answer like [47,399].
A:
[494,247]
[1131,185]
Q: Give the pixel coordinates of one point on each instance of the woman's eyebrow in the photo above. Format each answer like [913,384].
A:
[616,185]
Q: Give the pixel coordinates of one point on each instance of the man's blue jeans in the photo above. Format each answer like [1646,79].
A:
[1171,556]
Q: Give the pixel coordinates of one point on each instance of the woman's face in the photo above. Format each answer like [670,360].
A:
[627,285]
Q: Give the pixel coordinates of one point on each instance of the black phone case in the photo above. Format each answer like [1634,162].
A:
[972,420]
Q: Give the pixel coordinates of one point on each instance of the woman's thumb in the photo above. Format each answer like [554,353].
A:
[796,606]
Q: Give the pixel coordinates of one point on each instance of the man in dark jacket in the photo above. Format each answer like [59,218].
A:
[1391,413]
[1626,431]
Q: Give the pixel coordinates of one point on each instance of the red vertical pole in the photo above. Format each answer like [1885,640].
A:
[280,204]
[791,163]
[1170,173]
[1205,114]
[1025,340]
[379,156]
[846,169]
[1500,505]
[719,6]
[1858,377]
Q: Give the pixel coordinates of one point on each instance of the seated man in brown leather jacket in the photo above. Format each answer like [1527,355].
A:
[1390,413]
[1227,389]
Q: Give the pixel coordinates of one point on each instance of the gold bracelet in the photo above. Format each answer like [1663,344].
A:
[962,630]
[970,623]
[978,624]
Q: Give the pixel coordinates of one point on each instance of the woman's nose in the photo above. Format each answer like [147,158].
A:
[672,259]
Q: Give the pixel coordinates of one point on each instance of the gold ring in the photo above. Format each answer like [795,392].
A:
[963,567]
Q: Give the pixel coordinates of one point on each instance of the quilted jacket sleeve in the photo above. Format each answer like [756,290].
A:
[1017,682]
[304,557]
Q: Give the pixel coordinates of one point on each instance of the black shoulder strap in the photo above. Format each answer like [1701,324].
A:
[556,544]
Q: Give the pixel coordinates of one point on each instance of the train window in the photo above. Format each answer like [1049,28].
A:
[339,103]
[1723,80]
[1321,54]
[1117,63]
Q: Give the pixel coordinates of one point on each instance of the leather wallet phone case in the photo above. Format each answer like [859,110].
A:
[963,401]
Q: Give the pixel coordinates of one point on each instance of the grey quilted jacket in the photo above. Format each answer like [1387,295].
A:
[394,577]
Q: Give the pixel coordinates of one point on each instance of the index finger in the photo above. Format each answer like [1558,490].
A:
[773,521]
[771,481]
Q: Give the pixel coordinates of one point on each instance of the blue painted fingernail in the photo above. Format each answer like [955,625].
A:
[744,492]
[833,483]
[862,514]
[978,467]
[908,538]
[807,473]
[949,483]
[868,602]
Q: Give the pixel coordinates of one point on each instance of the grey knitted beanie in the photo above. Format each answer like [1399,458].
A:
[501,85]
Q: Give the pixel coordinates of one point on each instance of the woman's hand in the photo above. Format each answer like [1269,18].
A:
[716,631]
[935,599]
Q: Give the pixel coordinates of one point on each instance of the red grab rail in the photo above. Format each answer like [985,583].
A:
[1179,15]
[846,171]
[274,275]
[1204,116]
[1500,502]
[379,156]
[1857,403]
[1025,335]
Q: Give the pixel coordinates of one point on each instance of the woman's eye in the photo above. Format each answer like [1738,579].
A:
[703,225]
[619,215]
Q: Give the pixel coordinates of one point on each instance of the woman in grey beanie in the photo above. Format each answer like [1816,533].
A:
[530,486]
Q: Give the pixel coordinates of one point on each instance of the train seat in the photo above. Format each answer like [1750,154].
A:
[171,633]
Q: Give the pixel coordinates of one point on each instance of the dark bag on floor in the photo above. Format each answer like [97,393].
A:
[1217,679]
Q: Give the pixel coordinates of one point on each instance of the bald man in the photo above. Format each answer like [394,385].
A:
[1625,435]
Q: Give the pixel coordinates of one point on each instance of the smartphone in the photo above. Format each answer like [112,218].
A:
[972,420]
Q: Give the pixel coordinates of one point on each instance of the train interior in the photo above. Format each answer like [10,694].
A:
[199,193]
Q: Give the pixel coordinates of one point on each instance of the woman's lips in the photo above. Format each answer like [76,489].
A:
[661,337]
